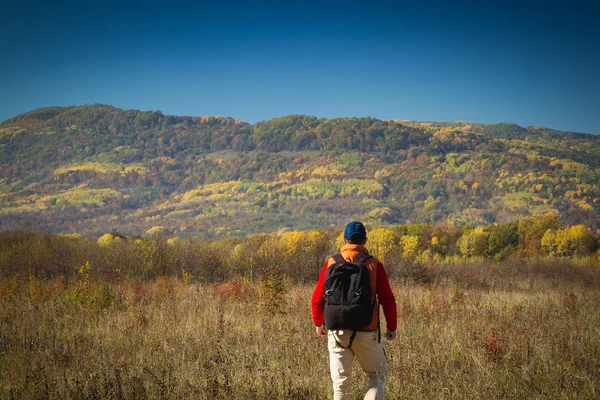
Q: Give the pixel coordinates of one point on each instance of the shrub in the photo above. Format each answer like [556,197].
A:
[272,292]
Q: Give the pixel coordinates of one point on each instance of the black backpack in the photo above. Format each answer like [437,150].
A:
[348,295]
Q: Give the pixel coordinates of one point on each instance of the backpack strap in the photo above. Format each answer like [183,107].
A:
[361,258]
[378,323]
[338,259]
[349,342]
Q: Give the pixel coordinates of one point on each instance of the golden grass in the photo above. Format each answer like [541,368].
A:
[172,339]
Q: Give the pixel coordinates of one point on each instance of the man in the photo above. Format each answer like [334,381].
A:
[365,344]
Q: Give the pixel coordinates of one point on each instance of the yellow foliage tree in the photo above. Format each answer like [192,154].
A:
[573,241]
[108,239]
[310,246]
[410,246]
[291,242]
[157,230]
[473,242]
[383,242]
[174,241]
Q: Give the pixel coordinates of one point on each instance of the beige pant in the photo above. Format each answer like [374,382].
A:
[369,352]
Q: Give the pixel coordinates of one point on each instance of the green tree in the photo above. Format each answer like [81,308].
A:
[502,240]
[532,229]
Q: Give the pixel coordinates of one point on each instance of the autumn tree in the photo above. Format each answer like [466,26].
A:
[473,242]
[383,243]
[302,253]
[410,246]
[532,229]
[572,241]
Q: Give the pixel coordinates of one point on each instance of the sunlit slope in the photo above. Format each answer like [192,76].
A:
[95,169]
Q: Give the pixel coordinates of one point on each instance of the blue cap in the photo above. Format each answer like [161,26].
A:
[355,231]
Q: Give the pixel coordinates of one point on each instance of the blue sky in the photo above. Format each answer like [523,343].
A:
[531,63]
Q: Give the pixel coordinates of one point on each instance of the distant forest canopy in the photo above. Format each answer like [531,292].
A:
[95,169]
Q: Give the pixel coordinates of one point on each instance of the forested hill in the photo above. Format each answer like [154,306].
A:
[95,169]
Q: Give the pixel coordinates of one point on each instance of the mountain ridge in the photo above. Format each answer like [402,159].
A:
[53,111]
[92,169]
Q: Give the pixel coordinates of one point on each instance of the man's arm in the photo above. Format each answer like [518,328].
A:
[318,298]
[386,298]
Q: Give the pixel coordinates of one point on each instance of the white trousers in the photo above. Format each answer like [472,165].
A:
[371,357]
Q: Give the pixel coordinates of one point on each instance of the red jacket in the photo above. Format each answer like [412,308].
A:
[383,291]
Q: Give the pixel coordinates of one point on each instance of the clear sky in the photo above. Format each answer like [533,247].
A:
[527,62]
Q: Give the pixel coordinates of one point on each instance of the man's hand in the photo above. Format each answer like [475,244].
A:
[321,331]
[390,335]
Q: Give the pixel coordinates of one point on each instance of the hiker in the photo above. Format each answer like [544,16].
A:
[362,340]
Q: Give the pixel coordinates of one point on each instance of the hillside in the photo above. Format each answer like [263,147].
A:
[94,169]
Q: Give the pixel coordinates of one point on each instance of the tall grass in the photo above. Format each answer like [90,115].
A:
[465,332]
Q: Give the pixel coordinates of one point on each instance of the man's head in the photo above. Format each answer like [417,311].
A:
[355,233]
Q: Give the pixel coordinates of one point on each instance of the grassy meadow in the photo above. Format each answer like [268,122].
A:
[466,331]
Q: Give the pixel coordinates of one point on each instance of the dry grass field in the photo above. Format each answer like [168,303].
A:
[474,331]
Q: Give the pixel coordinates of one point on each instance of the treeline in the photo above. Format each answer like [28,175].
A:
[407,250]
[114,257]
[109,134]
[76,133]
[128,136]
